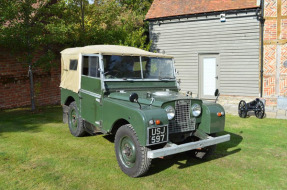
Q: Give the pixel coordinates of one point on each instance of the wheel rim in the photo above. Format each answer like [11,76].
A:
[73,120]
[127,152]
[260,114]
[242,109]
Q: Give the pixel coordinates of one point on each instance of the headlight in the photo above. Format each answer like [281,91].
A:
[195,110]
[170,112]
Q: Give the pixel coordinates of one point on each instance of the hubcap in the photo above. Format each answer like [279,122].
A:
[73,120]
[127,152]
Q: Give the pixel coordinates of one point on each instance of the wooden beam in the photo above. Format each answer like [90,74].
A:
[270,18]
[279,19]
[275,42]
[279,15]
[275,18]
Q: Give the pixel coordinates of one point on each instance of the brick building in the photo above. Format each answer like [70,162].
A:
[15,87]
[227,35]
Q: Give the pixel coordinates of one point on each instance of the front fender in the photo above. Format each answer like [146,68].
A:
[113,110]
[210,122]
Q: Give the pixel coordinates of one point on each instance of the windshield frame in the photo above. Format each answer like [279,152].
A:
[141,67]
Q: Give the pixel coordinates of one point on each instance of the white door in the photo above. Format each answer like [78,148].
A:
[208,75]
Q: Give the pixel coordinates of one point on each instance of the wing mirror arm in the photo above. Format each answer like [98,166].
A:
[134,98]
[217,94]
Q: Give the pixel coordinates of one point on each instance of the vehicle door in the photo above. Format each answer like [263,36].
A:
[90,92]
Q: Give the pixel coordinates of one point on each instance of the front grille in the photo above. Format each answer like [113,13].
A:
[182,121]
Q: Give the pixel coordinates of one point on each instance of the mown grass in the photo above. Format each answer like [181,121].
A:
[37,151]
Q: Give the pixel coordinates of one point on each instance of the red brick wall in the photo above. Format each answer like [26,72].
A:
[275,51]
[269,70]
[270,30]
[15,88]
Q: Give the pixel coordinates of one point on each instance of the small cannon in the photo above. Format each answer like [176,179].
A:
[256,105]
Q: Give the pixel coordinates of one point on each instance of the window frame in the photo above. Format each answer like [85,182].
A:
[99,65]
[142,77]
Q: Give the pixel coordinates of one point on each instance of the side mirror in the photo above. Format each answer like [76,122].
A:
[134,97]
[216,92]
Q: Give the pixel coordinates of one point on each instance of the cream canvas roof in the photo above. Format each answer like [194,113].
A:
[71,79]
[111,50]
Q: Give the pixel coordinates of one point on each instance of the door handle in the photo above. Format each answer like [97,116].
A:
[216,77]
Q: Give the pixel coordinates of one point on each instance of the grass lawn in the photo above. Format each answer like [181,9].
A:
[37,151]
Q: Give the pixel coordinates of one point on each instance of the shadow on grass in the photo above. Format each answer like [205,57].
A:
[110,138]
[23,120]
[159,165]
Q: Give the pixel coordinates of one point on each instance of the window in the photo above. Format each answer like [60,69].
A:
[157,68]
[91,66]
[73,64]
[122,67]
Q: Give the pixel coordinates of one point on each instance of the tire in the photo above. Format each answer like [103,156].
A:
[131,156]
[76,123]
[242,109]
[260,114]
[204,153]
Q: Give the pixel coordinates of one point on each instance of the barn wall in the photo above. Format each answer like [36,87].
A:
[237,41]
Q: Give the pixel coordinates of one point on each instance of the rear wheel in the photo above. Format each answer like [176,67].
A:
[131,156]
[76,123]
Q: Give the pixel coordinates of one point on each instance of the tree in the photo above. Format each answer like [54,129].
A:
[139,6]
[28,27]
[106,22]
[23,32]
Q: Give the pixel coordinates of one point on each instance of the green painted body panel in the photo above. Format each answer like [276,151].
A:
[143,99]
[65,93]
[91,109]
[91,84]
[210,122]
[114,109]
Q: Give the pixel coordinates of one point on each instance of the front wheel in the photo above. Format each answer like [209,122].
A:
[131,156]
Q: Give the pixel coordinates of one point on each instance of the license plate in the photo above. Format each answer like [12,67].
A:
[157,135]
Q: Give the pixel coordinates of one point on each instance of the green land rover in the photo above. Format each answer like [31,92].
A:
[133,94]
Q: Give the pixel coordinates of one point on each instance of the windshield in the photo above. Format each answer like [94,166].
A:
[120,67]
[129,67]
[157,68]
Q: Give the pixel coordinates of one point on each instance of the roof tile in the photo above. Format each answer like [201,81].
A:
[168,8]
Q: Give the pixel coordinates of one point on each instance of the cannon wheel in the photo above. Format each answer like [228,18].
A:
[261,110]
[242,109]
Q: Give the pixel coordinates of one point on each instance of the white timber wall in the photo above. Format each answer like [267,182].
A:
[237,41]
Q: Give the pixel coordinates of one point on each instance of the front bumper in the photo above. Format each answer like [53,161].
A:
[174,149]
